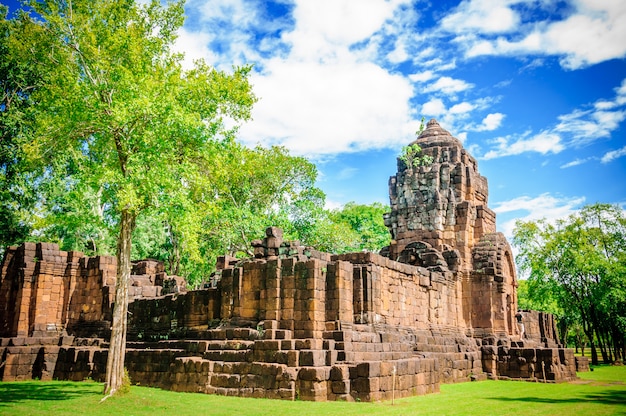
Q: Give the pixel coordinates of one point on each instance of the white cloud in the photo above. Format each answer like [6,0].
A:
[473,148]
[434,107]
[332,205]
[399,54]
[461,108]
[593,33]
[223,32]
[448,85]
[485,15]
[240,12]
[422,76]
[613,154]
[543,143]
[326,27]
[604,105]
[588,126]
[318,95]
[578,128]
[346,173]
[535,63]
[437,64]
[195,46]
[544,206]
[316,109]
[455,118]
[573,163]
[491,122]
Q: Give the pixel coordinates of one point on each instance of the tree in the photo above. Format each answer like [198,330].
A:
[581,262]
[253,188]
[116,106]
[367,222]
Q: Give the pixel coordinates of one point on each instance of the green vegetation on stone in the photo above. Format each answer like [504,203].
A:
[412,156]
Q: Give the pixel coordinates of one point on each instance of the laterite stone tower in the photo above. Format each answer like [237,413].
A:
[439,218]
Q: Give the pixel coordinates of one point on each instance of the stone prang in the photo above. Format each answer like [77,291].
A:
[440,220]
[443,203]
[439,305]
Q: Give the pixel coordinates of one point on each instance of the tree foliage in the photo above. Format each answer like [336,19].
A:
[366,222]
[252,188]
[18,78]
[579,263]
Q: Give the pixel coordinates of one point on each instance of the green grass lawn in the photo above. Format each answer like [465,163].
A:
[601,392]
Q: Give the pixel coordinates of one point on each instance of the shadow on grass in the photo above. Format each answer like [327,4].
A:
[14,392]
[608,398]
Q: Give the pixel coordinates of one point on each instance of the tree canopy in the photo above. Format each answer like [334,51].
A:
[578,265]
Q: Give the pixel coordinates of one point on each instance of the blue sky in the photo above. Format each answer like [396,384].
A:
[535,90]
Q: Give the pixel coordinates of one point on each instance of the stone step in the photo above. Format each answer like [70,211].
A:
[421,347]
[228,355]
[192,346]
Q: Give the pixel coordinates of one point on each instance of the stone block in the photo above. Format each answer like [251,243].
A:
[312,358]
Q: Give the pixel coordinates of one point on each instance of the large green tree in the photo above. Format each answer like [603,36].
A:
[253,188]
[367,222]
[580,262]
[117,109]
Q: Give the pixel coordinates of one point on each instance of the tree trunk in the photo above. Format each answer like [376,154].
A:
[592,345]
[600,335]
[117,347]
[618,342]
[588,330]
[594,353]
[174,254]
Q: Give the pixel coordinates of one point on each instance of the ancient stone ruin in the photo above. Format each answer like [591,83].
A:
[437,306]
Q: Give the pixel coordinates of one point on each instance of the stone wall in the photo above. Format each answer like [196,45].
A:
[540,329]
[45,292]
[35,289]
[313,326]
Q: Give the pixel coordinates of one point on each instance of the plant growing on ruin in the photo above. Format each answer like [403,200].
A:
[412,155]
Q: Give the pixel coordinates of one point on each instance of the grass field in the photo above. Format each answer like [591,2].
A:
[601,392]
